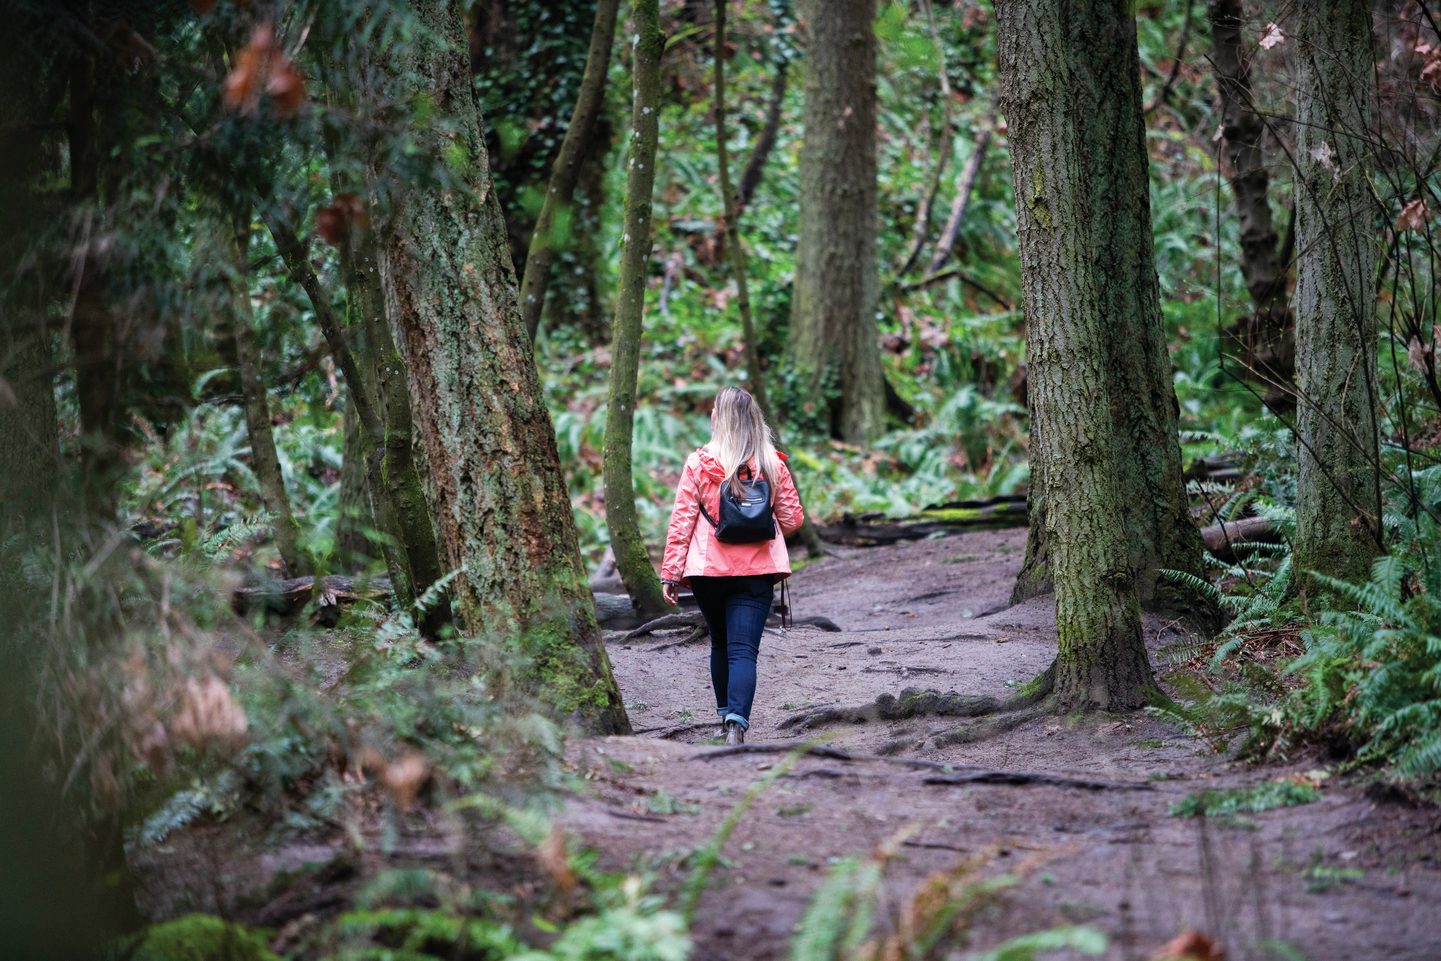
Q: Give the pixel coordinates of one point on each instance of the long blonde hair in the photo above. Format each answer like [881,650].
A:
[739,433]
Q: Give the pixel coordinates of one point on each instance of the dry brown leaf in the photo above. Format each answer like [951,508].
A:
[252,65]
[554,859]
[208,714]
[1191,946]
[404,777]
[287,86]
[1413,216]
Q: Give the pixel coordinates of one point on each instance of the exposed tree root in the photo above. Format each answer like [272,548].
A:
[888,707]
[999,723]
[941,774]
[668,622]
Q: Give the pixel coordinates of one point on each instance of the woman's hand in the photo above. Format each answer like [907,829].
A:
[670,590]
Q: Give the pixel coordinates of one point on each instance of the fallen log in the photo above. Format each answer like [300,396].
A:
[869,530]
[289,596]
[1221,539]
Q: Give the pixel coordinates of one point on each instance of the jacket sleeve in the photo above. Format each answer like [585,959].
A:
[787,505]
[682,522]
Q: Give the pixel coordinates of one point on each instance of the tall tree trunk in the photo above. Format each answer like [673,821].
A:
[1160,531]
[257,409]
[833,311]
[1048,89]
[503,512]
[1268,339]
[731,203]
[632,559]
[93,327]
[391,472]
[353,514]
[1338,501]
[573,149]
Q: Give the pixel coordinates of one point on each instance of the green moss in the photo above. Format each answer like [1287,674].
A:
[201,937]
[951,515]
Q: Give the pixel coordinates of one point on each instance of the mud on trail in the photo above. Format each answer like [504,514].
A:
[1077,809]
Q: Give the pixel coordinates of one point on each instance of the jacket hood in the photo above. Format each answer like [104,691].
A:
[711,466]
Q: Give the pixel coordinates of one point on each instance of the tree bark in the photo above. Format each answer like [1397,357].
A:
[353,514]
[766,139]
[573,149]
[503,512]
[1107,118]
[731,203]
[263,456]
[833,313]
[1268,340]
[631,556]
[1047,90]
[1338,503]
[414,553]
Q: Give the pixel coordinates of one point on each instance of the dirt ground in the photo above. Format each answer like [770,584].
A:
[1341,879]
[1077,810]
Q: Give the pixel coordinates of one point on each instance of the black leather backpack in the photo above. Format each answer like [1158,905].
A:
[744,519]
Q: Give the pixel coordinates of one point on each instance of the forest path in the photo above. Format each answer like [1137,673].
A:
[1341,879]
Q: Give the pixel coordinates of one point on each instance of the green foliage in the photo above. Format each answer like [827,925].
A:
[1259,797]
[1028,947]
[198,937]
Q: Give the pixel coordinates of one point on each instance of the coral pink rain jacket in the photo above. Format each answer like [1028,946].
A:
[691,548]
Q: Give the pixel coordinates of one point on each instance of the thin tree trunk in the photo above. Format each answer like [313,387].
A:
[395,486]
[736,259]
[833,311]
[503,512]
[263,456]
[632,558]
[1045,88]
[353,514]
[766,139]
[965,189]
[1160,531]
[1268,339]
[1337,494]
[536,277]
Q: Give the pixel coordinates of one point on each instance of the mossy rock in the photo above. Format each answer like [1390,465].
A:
[201,937]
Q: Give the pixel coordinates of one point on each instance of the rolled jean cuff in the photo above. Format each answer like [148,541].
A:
[732,716]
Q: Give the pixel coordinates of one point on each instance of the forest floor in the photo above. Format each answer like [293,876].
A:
[1350,876]
[1076,810]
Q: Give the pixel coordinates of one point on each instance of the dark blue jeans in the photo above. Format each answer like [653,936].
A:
[735,610]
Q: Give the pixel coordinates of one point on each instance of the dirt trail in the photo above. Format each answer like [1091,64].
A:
[1342,879]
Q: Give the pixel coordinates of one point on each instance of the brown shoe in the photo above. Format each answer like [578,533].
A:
[735,734]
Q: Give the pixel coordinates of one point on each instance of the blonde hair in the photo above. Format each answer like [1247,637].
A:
[739,434]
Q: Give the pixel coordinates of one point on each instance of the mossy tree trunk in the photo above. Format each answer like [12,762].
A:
[1047,87]
[263,457]
[1267,337]
[353,512]
[1338,501]
[410,552]
[502,509]
[731,203]
[632,558]
[535,279]
[395,473]
[1108,127]
[833,310]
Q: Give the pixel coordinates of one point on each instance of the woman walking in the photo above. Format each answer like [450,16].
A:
[726,542]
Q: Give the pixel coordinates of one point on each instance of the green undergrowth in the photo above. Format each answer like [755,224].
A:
[1311,662]
[1222,802]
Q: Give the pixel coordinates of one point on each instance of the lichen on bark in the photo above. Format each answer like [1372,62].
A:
[503,513]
